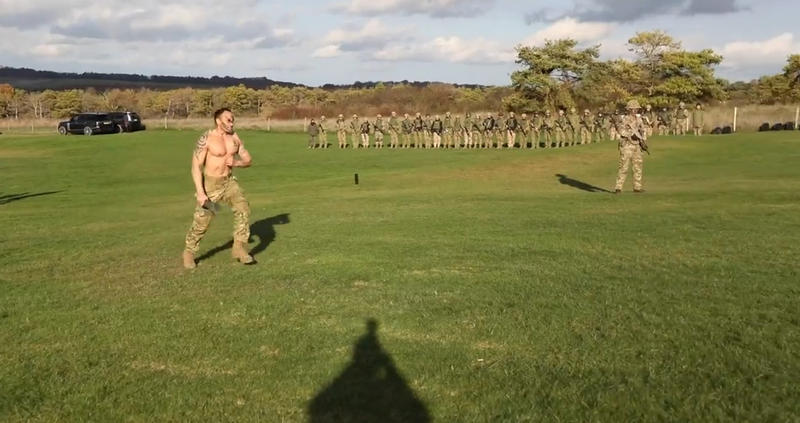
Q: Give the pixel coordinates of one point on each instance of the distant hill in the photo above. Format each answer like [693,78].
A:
[36,80]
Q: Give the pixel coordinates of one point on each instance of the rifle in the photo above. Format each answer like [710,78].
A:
[637,136]
[642,141]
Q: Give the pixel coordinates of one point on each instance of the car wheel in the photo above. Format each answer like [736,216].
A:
[120,129]
[87,130]
[62,130]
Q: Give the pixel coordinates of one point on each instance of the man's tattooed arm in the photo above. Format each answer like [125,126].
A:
[200,147]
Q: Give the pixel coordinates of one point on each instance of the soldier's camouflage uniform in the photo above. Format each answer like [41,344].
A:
[448,131]
[224,190]
[323,134]
[629,150]
[536,129]
[548,126]
[587,127]
[408,129]
[394,129]
[341,132]
[355,132]
[573,132]
[378,129]
[419,131]
[561,127]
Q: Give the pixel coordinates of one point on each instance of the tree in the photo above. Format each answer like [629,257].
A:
[549,74]
[670,74]
[67,103]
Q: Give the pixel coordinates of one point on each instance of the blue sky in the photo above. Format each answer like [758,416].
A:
[342,41]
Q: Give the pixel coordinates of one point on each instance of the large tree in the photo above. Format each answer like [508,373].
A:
[549,73]
[671,74]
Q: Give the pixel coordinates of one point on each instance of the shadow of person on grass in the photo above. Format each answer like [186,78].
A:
[370,389]
[9,198]
[566,180]
[263,229]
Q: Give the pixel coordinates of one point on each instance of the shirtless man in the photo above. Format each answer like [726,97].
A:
[217,152]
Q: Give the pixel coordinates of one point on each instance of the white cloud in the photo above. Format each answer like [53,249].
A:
[582,32]
[374,34]
[433,8]
[328,51]
[49,50]
[772,51]
[448,49]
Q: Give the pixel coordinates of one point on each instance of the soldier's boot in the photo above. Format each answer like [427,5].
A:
[239,252]
[188,260]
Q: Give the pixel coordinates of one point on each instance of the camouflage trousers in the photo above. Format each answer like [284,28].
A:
[394,138]
[467,139]
[511,138]
[406,140]
[586,135]
[223,190]
[342,136]
[323,139]
[355,137]
[629,152]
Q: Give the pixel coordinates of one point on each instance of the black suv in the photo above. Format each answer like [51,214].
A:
[88,124]
[127,121]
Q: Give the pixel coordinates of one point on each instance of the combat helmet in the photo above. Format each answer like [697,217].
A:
[632,105]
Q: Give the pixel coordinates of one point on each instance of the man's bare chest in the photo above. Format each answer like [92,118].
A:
[221,146]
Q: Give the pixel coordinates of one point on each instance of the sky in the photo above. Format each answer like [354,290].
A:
[343,41]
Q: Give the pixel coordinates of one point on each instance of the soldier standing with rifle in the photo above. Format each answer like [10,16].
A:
[632,141]
[512,126]
[408,128]
[355,131]
[341,131]
[394,129]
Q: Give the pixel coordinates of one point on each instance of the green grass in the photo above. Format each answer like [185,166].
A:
[500,294]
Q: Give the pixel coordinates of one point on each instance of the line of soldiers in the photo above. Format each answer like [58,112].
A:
[475,131]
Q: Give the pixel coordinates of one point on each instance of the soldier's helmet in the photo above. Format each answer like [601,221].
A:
[547,112]
[379,115]
[355,115]
[586,111]
[322,117]
[648,107]
[447,114]
[561,111]
[511,114]
[418,114]
[572,110]
[682,104]
[633,105]
[524,115]
[394,113]
[341,115]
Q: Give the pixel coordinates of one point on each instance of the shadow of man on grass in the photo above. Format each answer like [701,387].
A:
[263,229]
[9,198]
[370,389]
[566,180]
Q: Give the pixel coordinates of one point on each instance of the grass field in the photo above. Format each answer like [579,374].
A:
[449,286]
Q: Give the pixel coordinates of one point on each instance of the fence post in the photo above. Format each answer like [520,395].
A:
[269,124]
[305,124]
[735,114]
[796,117]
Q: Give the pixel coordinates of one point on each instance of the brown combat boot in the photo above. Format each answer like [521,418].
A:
[239,252]
[188,260]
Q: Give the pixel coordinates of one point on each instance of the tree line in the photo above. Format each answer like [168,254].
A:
[557,74]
